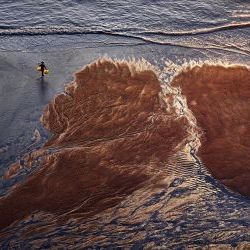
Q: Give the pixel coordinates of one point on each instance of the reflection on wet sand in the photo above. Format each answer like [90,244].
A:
[43,88]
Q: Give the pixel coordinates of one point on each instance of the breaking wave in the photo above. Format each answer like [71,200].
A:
[146,36]
[203,31]
[53,30]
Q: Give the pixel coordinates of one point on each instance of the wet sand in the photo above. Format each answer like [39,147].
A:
[112,134]
[218,96]
[120,166]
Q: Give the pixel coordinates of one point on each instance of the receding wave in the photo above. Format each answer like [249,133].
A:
[203,31]
[52,30]
[165,38]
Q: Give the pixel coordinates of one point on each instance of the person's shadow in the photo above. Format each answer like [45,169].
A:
[43,89]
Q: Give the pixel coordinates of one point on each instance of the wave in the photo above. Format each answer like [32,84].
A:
[52,30]
[65,30]
[203,31]
[59,30]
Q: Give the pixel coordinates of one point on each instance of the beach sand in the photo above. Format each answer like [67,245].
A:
[219,98]
[116,144]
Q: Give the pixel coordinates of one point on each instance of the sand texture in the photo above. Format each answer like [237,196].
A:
[112,134]
[219,99]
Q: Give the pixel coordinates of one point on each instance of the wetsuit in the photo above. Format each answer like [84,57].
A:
[43,67]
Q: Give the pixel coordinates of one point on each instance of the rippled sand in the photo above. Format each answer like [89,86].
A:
[112,133]
[122,161]
[219,98]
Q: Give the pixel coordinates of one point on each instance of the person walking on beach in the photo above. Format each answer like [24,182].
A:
[43,67]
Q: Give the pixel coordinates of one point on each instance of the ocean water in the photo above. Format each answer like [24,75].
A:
[195,210]
[205,24]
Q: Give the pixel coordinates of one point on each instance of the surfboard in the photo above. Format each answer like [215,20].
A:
[46,71]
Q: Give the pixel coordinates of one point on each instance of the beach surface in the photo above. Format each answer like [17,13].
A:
[117,134]
[139,135]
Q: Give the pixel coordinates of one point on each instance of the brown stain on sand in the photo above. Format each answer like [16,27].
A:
[111,135]
[219,99]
